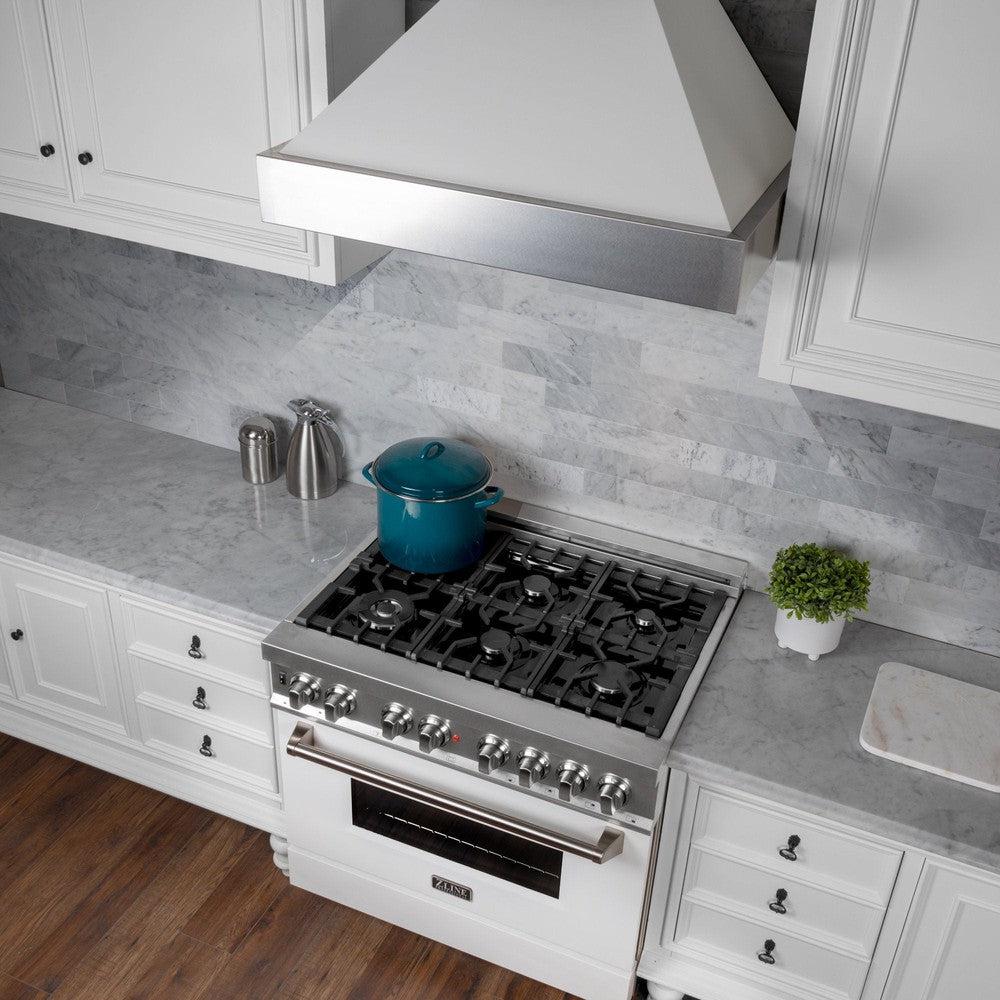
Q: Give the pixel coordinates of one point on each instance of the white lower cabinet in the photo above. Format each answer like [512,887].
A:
[154,693]
[58,636]
[756,901]
[950,949]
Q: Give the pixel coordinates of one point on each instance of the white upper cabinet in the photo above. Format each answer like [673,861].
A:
[164,108]
[949,945]
[32,152]
[886,283]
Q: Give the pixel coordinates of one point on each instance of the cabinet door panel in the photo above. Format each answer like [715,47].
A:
[28,114]
[64,658]
[913,256]
[895,300]
[949,946]
[174,100]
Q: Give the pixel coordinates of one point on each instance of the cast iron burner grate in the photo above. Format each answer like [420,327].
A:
[558,623]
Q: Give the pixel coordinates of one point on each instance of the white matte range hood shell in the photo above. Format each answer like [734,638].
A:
[627,144]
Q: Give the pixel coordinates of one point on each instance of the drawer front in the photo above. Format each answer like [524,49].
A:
[746,831]
[231,758]
[175,635]
[808,910]
[197,691]
[796,962]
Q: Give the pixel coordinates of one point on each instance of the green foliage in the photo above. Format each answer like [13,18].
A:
[811,581]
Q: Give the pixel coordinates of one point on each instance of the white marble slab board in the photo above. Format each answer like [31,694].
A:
[936,724]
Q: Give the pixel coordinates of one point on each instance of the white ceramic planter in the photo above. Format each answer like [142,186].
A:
[807,636]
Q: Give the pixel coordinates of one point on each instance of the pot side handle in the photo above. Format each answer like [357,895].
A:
[367,473]
[493,495]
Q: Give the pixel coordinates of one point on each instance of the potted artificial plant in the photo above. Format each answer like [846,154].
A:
[816,590]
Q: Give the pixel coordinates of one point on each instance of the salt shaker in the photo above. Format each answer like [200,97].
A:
[259,450]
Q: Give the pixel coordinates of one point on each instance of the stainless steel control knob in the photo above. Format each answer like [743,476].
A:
[613,793]
[532,766]
[572,779]
[493,753]
[396,720]
[303,690]
[339,702]
[433,733]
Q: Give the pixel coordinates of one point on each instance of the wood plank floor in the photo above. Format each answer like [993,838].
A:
[111,891]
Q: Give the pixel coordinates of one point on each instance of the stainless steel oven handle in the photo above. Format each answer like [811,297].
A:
[609,845]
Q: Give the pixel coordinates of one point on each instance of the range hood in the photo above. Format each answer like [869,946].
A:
[625,144]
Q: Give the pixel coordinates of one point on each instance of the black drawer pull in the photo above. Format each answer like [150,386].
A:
[195,651]
[788,853]
[206,747]
[47,150]
[17,635]
[199,699]
[85,158]
[778,905]
[765,956]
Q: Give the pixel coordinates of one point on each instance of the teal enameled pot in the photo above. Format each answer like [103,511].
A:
[433,494]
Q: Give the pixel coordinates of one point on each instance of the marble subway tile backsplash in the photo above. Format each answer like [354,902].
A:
[626,410]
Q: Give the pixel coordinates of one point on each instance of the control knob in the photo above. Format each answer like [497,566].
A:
[396,720]
[493,753]
[572,779]
[613,793]
[532,766]
[433,732]
[303,690]
[339,702]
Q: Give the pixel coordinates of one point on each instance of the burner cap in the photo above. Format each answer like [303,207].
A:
[537,587]
[496,643]
[613,679]
[646,620]
[385,610]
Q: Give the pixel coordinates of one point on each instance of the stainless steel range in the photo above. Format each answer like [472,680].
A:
[480,756]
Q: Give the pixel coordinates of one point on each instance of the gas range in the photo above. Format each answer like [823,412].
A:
[560,664]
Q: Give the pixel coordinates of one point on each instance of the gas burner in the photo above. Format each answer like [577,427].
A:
[537,588]
[385,610]
[550,620]
[496,644]
[646,620]
[611,679]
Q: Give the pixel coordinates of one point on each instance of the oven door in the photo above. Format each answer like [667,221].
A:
[528,884]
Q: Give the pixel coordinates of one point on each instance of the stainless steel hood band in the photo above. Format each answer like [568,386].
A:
[301,744]
[640,256]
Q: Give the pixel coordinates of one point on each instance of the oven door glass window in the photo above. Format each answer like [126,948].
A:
[455,839]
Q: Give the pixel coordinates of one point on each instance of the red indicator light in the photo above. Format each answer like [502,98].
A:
[455,738]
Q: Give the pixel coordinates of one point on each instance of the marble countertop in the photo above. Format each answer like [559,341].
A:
[164,516]
[770,722]
[172,519]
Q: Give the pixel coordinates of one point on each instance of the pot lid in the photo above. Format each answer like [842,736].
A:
[426,468]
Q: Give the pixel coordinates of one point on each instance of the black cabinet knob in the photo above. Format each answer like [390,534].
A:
[47,150]
[199,699]
[788,853]
[206,747]
[765,956]
[195,649]
[17,635]
[778,904]
[85,158]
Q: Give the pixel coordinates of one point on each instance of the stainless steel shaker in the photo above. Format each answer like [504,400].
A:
[259,450]
[312,470]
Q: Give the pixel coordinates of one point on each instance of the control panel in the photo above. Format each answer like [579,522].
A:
[554,771]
